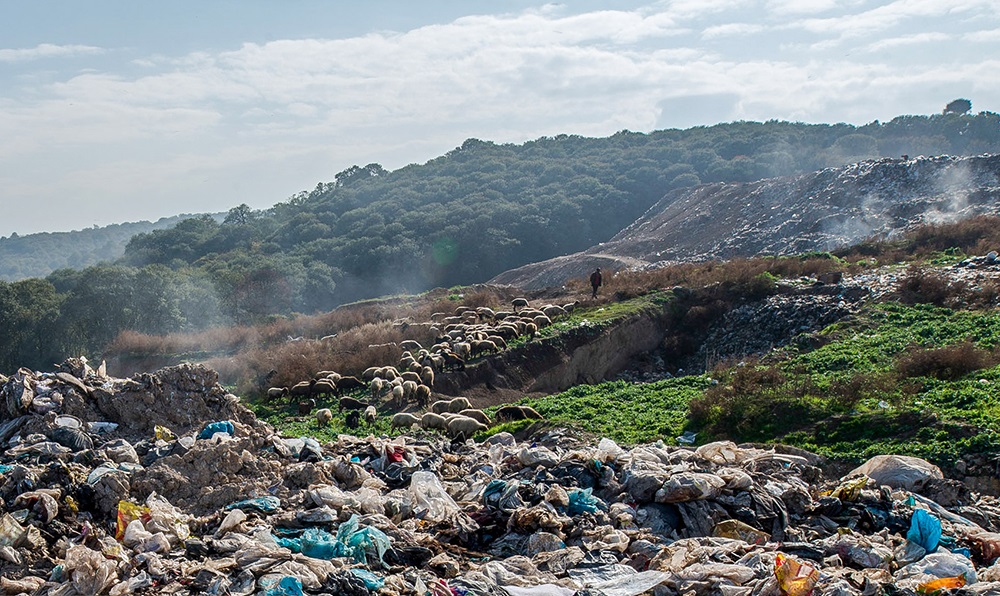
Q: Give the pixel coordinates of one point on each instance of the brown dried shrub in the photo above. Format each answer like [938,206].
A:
[946,363]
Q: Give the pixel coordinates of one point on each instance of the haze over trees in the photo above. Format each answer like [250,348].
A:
[461,218]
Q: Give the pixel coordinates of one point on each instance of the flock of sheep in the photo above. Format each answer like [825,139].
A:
[467,334]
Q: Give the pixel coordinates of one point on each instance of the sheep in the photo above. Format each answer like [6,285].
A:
[376,386]
[277,392]
[486,313]
[409,344]
[462,348]
[476,414]
[410,376]
[324,387]
[483,347]
[349,403]
[369,373]
[422,395]
[553,310]
[463,427]
[530,313]
[370,414]
[571,306]
[431,420]
[416,367]
[440,406]
[306,406]
[502,314]
[348,383]
[427,376]
[459,310]
[519,303]
[458,404]
[333,376]
[324,416]
[302,389]
[389,373]
[452,361]
[409,389]
[500,342]
[509,413]
[352,419]
[542,321]
[397,395]
[404,420]
[405,362]
[507,332]
[530,329]
[325,373]
[438,316]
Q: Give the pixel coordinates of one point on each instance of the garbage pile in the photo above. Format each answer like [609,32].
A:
[165,483]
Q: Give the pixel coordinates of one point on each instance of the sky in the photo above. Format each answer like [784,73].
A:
[116,110]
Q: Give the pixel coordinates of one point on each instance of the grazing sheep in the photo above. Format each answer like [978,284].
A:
[369,373]
[352,419]
[437,316]
[452,361]
[530,329]
[509,413]
[440,406]
[542,321]
[375,386]
[409,389]
[348,383]
[500,342]
[519,303]
[431,420]
[476,414]
[553,310]
[333,376]
[326,373]
[502,314]
[303,389]
[462,348]
[409,344]
[507,332]
[405,362]
[461,309]
[416,367]
[324,416]
[411,376]
[349,403]
[404,420]
[398,395]
[370,414]
[463,427]
[458,404]
[277,392]
[485,346]
[427,376]
[324,387]
[306,406]
[571,306]
[422,395]
[486,313]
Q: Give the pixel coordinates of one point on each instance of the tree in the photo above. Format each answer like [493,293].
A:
[958,106]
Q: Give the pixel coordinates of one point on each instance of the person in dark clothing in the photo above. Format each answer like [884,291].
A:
[595,281]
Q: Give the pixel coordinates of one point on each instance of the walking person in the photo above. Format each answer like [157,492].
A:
[595,281]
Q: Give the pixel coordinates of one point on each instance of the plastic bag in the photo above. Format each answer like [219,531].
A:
[582,501]
[899,471]
[127,513]
[794,578]
[737,530]
[262,504]
[286,586]
[938,565]
[945,583]
[11,532]
[925,530]
[372,581]
[223,426]
[430,500]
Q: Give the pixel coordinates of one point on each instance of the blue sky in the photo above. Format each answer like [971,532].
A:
[115,111]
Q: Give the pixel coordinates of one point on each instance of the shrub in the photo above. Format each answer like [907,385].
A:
[947,363]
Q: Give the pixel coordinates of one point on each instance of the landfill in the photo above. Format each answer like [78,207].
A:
[166,483]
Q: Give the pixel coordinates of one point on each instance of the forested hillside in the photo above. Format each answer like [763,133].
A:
[461,218]
[37,255]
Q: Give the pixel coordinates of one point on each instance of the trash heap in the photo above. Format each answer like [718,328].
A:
[164,483]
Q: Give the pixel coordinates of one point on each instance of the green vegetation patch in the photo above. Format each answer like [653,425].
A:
[628,413]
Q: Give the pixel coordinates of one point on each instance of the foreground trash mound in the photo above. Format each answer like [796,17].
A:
[164,483]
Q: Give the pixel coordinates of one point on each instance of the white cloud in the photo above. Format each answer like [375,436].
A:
[908,40]
[731,30]
[47,50]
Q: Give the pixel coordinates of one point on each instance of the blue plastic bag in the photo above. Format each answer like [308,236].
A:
[582,501]
[925,530]
[223,426]
[263,504]
[286,586]
[372,581]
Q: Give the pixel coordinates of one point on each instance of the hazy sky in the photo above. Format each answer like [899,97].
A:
[118,110]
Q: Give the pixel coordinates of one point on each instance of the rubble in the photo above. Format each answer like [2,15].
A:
[165,483]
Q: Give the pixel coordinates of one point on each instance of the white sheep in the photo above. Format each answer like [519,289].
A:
[404,420]
[463,427]
[431,420]
[476,414]
[370,414]
[324,416]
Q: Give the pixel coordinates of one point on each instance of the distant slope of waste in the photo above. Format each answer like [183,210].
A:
[825,210]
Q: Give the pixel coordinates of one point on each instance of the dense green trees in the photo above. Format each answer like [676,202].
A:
[464,217]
